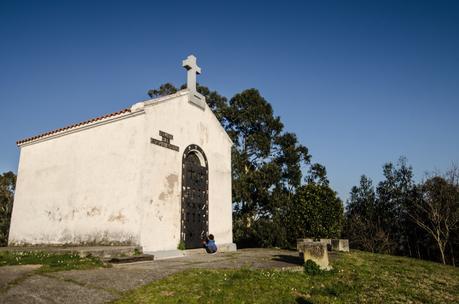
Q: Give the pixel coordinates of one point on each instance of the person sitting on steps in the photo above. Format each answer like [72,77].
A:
[209,244]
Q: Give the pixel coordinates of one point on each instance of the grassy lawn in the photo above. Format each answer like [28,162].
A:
[358,277]
[49,261]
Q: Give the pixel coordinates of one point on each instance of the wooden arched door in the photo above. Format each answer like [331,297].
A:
[195,202]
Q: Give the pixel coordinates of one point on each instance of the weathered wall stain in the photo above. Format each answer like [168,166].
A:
[171,181]
[55,215]
[169,186]
[203,134]
[93,211]
[74,211]
[117,217]
[66,236]
[158,215]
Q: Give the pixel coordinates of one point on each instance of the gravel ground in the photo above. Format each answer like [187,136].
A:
[19,284]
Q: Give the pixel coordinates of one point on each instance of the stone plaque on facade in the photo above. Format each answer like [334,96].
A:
[165,142]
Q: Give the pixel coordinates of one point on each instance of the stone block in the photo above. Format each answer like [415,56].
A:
[340,245]
[166,254]
[301,241]
[228,247]
[316,252]
[327,242]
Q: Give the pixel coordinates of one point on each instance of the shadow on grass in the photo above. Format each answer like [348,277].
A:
[289,259]
[301,300]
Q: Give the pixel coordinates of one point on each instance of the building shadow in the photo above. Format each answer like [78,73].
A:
[295,260]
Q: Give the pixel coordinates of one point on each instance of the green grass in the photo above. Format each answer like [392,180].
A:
[358,277]
[50,261]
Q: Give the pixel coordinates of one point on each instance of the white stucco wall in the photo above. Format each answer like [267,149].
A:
[109,184]
[80,187]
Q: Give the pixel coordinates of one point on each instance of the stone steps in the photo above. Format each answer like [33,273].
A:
[170,254]
[107,253]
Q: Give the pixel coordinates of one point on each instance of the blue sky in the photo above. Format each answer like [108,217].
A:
[360,82]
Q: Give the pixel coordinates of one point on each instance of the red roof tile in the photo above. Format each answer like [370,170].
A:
[128,110]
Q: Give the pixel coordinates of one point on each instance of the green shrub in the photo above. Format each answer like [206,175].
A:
[316,211]
[181,245]
[311,268]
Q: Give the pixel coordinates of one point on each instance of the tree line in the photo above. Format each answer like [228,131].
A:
[402,217]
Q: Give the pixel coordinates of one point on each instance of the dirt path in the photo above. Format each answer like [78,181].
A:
[19,284]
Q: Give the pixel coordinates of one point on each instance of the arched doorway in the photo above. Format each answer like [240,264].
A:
[195,197]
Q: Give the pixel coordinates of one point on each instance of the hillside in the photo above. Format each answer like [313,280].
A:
[358,277]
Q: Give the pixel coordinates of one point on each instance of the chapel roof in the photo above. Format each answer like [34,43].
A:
[87,122]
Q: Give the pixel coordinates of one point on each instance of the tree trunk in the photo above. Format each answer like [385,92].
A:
[442,251]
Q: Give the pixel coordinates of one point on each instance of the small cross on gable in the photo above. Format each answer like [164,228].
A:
[192,70]
[190,64]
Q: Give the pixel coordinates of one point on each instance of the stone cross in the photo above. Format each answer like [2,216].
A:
[190,64]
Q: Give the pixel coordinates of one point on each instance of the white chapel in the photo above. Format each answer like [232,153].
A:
[155,174]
